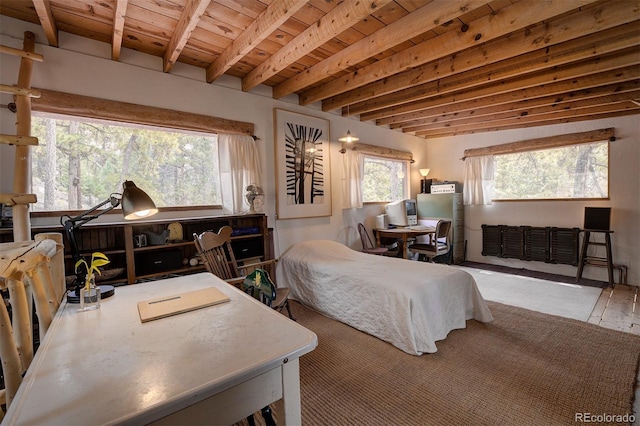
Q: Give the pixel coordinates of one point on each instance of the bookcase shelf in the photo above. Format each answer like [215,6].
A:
[116,240]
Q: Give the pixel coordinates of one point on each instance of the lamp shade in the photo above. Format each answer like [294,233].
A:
[424,172]
[135,202]
[348,138]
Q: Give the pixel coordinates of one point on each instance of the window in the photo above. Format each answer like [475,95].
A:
[80,162]
[384,179]
[569,172]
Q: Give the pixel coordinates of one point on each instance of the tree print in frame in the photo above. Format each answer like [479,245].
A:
[303,187]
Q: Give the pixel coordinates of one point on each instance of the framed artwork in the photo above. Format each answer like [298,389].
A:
[303,168]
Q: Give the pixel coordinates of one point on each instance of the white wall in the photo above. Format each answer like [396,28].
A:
[84,67]
[624,189]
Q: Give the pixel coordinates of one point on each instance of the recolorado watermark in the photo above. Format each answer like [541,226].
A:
[604,418]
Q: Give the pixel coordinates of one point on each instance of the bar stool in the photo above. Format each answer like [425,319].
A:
[595,260]
[596,220]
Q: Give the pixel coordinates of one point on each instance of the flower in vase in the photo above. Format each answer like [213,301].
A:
[97,259]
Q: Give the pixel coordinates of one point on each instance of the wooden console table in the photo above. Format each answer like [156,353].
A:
[215,365]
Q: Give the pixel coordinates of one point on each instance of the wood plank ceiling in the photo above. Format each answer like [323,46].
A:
[431,68]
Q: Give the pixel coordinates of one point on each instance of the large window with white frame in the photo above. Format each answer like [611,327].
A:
[384,179]
[578,171]
[80,162]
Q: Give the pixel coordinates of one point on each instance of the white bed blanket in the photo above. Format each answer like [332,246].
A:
[408,304]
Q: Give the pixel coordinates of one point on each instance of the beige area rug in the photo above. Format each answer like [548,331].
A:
[549,297]
[524,368]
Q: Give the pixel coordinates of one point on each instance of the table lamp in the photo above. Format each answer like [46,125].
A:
[136,204]
[425,184]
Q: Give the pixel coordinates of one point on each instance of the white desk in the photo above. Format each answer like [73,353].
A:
[215,365]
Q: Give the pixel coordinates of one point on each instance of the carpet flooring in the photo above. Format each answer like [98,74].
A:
[549,297]
[524,368]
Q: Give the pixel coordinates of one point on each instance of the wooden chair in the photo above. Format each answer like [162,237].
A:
[437,245]
[367,244]
[27,277]
[217,254]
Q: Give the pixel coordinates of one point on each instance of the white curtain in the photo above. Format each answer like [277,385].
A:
[478,180]
[239,167]
[352,172]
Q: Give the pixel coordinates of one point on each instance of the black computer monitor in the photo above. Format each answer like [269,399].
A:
[597,218]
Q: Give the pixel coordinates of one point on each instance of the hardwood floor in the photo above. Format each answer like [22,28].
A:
[616,309]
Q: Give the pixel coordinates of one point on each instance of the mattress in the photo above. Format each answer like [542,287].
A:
[409,304]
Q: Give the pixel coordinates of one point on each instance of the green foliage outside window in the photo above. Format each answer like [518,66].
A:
[79,163]
[384,180]
[577,171]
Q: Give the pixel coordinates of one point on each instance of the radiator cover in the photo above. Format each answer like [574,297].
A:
[542,244]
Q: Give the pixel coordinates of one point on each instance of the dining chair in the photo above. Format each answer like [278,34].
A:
[259,285]
[367,243]
[438,245]
[217,254]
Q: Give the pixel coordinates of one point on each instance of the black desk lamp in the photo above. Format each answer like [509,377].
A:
[136,204]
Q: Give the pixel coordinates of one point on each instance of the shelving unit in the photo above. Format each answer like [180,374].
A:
[116,240]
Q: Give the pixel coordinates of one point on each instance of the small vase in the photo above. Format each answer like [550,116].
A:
[90,298]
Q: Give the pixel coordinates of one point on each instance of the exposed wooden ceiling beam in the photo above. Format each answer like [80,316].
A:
[118,28]
[611,40]
[589,66]
[333,23]
[412,25]
[528,125]
[489,27]
[574,26]
[451,112]
[593,113]
[193,11]
[451,104]
[43,9]
[265,24]
[481,115]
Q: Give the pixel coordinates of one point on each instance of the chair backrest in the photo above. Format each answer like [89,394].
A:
[367,244]
[26,276]
[259,285]
[442,231]
[217,253]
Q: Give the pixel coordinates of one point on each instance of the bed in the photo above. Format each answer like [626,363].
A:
[409,304]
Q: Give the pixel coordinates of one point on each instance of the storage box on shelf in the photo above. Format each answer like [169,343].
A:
[130,262]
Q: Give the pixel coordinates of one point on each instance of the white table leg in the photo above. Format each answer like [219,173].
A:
[288,410]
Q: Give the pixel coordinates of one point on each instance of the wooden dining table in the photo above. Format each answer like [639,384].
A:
[403,234]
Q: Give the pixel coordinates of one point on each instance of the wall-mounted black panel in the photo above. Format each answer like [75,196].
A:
[543,244]
[565,245]
[513,242]
[536,242]
[491,240]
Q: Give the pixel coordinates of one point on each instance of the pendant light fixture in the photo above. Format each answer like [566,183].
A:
[348,138]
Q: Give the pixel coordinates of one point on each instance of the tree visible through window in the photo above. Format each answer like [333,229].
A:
[576,171]
[80,162]
[384,179]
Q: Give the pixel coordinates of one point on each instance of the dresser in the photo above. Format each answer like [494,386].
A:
[433,207]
